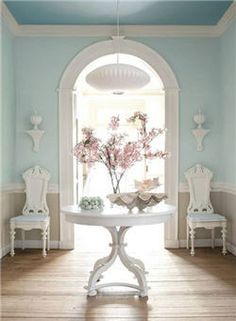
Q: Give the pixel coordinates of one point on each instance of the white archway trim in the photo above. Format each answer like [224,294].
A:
[125,46]
[66,99]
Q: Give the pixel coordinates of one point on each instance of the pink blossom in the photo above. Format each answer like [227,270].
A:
[157,154]
[116,153]
[138,115]
[114,123]
[87,132]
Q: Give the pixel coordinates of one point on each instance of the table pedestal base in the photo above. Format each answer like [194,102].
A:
[134,265]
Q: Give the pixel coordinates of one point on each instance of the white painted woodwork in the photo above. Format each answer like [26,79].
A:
[66,89]
[200,212]
[35,214]
[35,133]
[199,133]
[118,221]
[215,187]
[182,188]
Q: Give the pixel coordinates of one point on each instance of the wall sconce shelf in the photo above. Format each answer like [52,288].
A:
[199,133]
[35,133]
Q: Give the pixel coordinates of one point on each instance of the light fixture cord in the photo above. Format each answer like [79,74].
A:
[118,28]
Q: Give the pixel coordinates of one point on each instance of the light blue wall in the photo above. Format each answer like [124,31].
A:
[228,104]
[195,62]
[40,63]
[7,146]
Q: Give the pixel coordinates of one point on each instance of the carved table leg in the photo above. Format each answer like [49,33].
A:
[134,265]
[103,264]
[192,234]
[137,262]
[12,236]
[131,263]
[224,231]
[102,261]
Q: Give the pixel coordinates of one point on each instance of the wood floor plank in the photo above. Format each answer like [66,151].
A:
[183,288]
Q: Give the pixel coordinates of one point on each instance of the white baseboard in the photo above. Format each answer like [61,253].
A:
[171,244]
[29,244]
[201,242]
[207,243]
[4,250]
[66,245]
[231,248]
[36,244]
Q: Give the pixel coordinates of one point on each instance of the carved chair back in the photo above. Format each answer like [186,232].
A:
[36,181]
[199,179]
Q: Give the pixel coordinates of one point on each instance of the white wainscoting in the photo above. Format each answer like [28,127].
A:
[183,187]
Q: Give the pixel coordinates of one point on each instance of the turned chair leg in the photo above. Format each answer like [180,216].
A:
[44,239]
[12,236]
[192,234]
[213,238]
[224,231]
[22,239]
[48,238]
[187,236]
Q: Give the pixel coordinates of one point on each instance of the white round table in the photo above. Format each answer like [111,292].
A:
[117,221]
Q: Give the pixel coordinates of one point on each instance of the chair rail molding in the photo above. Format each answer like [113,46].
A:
[215,187]
[20,188]
[67,97]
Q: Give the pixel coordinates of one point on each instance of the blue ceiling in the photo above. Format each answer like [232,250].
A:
[132,12]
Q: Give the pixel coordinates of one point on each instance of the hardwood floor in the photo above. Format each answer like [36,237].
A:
[182,288]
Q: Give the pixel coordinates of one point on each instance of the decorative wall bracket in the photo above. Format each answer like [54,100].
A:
[35,133]
[199,133]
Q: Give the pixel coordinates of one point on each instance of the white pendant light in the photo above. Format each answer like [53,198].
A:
[117,77]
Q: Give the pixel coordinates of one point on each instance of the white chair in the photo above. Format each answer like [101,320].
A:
[200,212]
[35,214]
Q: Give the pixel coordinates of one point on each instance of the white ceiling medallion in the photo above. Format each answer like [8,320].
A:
[118,77]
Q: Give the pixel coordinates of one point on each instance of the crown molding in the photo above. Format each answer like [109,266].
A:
[215,187]
[227,19]
[10,20]
[127,30]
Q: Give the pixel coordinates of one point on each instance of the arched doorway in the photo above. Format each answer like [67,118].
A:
[67,102]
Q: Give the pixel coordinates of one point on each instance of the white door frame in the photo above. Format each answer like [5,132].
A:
[66,98]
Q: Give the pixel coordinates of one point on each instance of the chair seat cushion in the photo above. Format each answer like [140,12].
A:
[205,217]
[30,218]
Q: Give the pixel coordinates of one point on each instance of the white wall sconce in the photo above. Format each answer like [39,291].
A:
[36,133]
[199,133]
